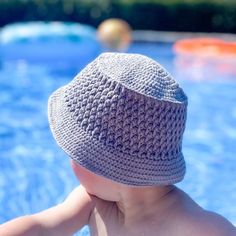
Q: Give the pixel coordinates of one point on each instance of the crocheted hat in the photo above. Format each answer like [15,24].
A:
[123,118]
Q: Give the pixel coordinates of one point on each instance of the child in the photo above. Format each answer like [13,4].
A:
[121,121]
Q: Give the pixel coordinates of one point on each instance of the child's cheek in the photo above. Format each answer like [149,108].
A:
[85,178]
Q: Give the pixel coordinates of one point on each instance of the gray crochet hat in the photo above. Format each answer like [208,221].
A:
[122,117]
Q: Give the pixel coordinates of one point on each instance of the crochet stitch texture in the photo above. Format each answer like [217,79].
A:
[123,118]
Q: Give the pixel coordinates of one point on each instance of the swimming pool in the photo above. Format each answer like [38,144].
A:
[35,174]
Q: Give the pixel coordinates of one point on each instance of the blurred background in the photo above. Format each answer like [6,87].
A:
[44,44]
[168,15]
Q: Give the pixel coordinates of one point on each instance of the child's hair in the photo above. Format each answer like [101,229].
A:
[123,118]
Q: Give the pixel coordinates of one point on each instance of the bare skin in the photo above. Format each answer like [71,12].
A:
[114,209]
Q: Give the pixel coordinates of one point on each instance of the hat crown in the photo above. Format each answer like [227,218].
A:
[141,74]
[120,100]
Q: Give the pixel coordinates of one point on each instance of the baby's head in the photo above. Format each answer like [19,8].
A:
[122,118]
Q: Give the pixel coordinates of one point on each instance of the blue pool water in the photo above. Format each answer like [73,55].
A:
[35,174]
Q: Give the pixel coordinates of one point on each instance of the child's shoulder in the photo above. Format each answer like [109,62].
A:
[194,220]
[207,223]
[186,217]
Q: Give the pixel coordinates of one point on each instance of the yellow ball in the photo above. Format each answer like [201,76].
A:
[115,34]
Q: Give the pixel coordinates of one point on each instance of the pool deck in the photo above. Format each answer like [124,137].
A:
[171,37]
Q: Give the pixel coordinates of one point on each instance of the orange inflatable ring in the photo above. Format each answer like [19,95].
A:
[206,47]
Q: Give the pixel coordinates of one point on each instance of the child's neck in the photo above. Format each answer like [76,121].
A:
[136,204]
